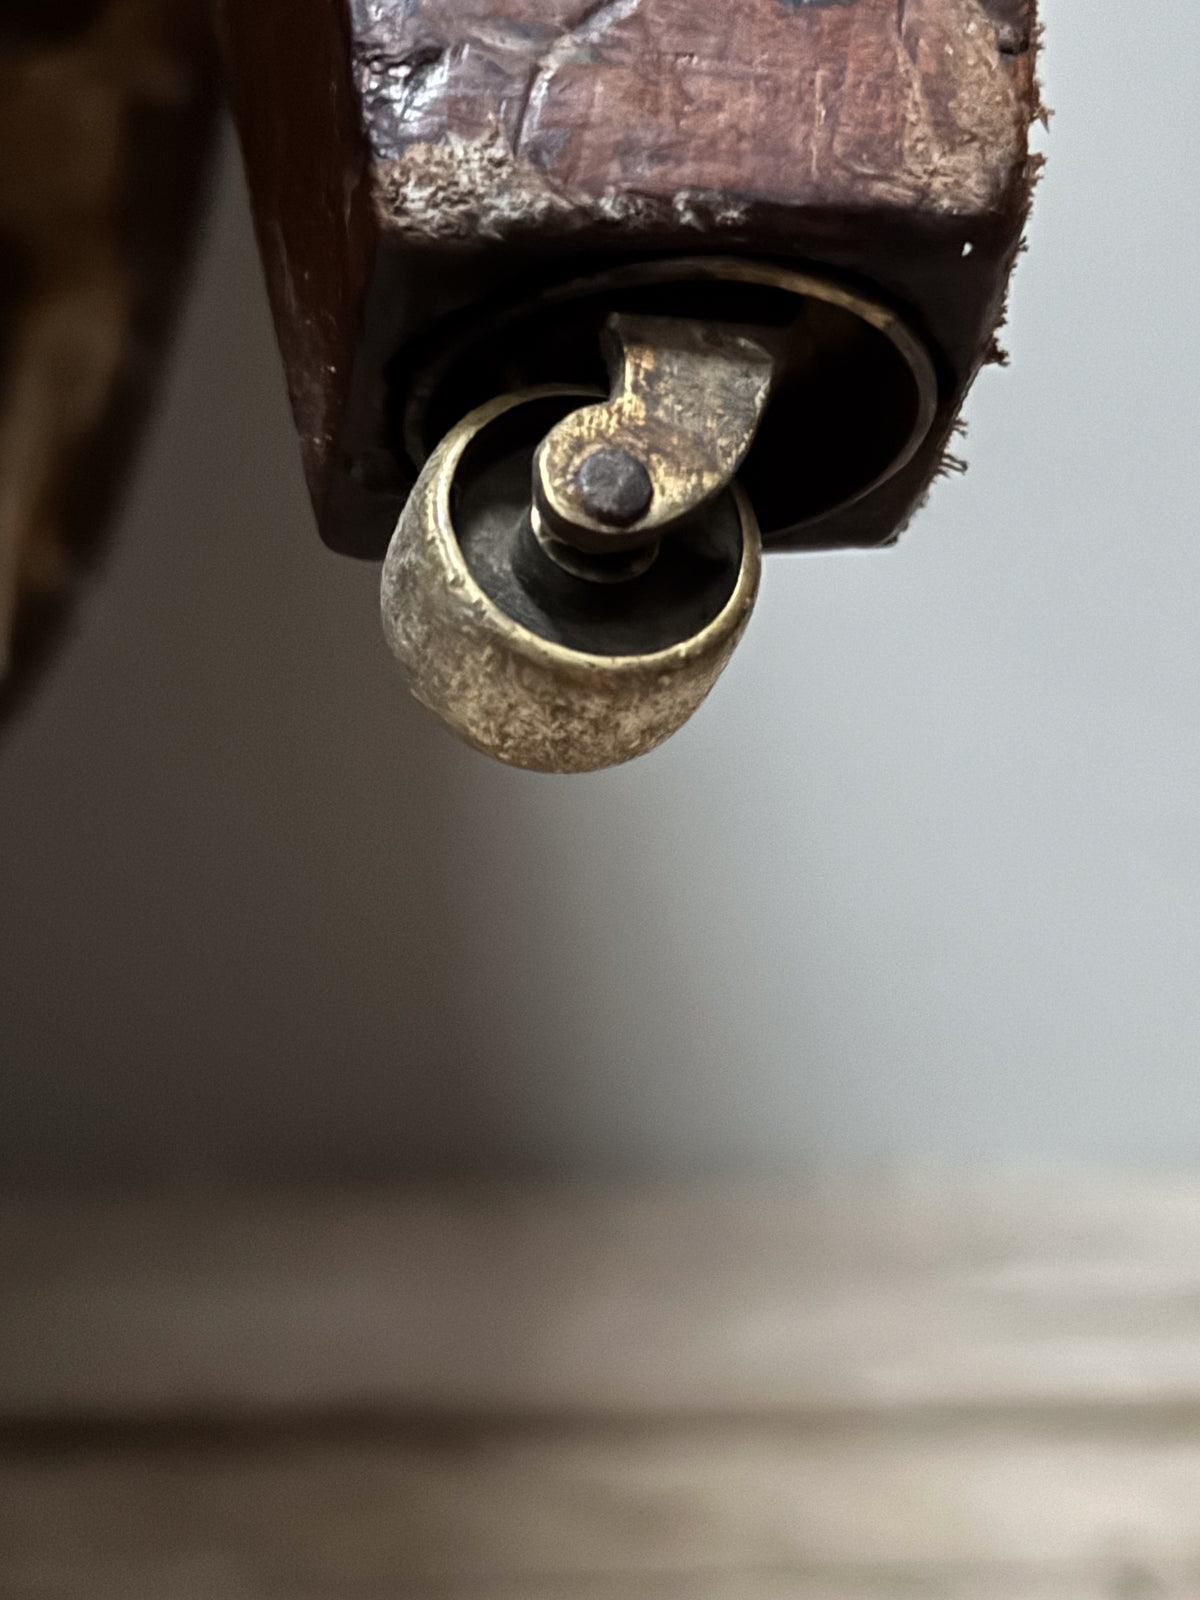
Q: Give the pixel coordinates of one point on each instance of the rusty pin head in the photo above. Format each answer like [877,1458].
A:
[614,486]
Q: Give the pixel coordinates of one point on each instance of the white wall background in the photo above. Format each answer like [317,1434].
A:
[922,880]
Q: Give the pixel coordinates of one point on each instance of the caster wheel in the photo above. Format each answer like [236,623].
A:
[553,652]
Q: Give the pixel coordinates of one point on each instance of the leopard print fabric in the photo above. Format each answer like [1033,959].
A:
[105,111]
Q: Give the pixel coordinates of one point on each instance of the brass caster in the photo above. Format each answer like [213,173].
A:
[573,571]
[553,655]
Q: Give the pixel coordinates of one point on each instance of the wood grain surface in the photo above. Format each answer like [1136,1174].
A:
[707,1513]
[951,1388]
[917,1295]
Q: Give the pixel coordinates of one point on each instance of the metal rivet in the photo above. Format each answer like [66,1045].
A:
[614,487]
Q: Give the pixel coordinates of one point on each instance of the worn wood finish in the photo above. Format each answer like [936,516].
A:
[306,157]
[476,148]
[105,111]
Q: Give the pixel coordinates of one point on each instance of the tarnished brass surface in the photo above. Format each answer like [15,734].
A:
[492,589]
[687,401]
[493,351]
[511,693]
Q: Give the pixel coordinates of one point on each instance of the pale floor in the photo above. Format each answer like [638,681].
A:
[984,1388]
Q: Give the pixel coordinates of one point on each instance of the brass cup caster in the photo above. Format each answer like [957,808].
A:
[572,573]
[539,654]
